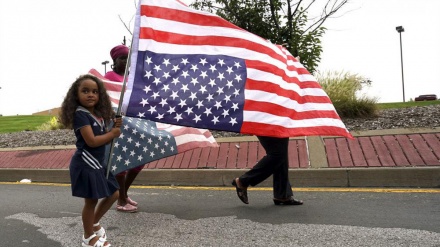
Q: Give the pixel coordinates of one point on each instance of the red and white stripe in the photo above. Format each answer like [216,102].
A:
[281,97]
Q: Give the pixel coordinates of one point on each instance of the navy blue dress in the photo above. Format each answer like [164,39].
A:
[88,165]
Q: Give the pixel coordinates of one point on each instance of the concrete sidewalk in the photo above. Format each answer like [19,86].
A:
[386,158]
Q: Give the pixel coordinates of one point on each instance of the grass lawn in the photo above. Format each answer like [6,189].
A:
[10,124]
[407,104]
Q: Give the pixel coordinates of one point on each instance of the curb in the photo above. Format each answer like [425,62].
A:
[318,175]
[419,177]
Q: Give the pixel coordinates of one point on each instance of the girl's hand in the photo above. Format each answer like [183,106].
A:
[118,122]
[116,132]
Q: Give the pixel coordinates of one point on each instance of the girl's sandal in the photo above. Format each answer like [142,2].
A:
[134,203]
[100,233]
[98,243]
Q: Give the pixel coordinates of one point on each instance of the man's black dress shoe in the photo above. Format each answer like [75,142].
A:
[288,201]
[241,193]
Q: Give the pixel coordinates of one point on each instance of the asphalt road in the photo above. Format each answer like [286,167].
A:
[47,215]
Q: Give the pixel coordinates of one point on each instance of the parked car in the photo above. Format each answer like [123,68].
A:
[424,97]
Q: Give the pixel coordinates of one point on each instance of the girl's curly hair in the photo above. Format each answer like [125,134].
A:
[71,102]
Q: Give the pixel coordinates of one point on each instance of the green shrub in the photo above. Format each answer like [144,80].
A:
[52,124]
[359,108]
[343,89]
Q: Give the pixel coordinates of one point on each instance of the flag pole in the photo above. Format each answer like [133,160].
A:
[118,111]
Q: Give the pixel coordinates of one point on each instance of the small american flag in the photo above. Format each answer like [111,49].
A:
[195,69]
[143,141]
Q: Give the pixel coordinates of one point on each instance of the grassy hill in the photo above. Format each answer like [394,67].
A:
[10,124]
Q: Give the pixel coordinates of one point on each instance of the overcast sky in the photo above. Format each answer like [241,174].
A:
[46,44]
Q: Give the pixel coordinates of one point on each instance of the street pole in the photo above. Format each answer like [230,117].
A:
[1,104]
[400,30]
[105,66]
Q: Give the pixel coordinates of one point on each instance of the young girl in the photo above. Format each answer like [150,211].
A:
[87,109]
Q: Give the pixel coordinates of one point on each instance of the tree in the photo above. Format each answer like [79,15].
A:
[281,22]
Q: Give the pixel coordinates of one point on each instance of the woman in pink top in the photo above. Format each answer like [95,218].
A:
[119,55]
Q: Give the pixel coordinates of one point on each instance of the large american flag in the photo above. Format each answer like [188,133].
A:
[143,141]
[194,68]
